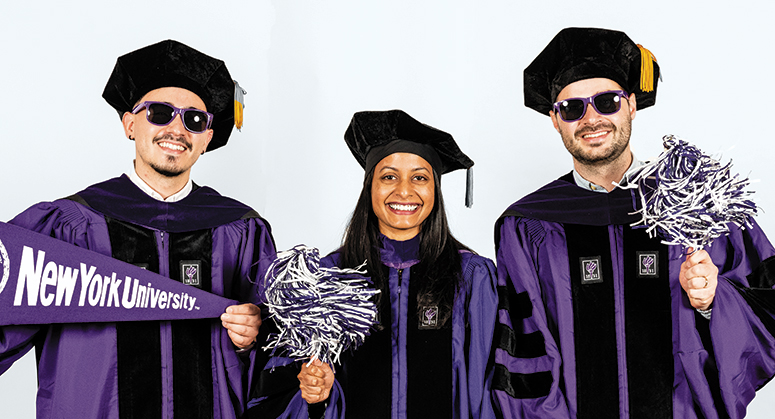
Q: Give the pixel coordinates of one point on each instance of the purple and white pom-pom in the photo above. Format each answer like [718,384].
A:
[320,312]
[688,198]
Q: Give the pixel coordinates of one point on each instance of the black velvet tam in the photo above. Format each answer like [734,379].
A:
[374,135]
[584,53]
[172,64]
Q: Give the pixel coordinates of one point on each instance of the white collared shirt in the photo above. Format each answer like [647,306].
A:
[583,183]
[177,196]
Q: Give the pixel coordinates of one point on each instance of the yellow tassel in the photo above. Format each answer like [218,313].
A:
[239,104]
[237,114]
[647,60]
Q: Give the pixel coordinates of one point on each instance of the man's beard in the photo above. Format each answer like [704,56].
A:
[621,138]
[172,169]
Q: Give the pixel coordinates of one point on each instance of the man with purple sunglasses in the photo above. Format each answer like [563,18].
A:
[175,103]
[597,319]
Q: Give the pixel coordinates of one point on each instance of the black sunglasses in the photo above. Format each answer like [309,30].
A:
[162,114]
[605,103]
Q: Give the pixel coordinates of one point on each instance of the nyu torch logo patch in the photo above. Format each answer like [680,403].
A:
[590,270]
[429,317]
[648,264]
[190,271]
[5,266]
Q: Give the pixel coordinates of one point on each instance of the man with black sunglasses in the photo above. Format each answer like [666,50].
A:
[598,320]
[175,103]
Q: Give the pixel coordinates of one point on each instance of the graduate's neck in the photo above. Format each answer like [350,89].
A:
[605,174]
[163,184]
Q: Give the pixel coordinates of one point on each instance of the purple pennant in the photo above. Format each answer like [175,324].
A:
[45,280]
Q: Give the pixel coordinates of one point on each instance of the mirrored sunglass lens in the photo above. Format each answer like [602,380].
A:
[159,113]
[608,103]
[195,120]
[572,109]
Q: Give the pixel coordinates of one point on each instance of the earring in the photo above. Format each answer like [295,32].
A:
[131,138]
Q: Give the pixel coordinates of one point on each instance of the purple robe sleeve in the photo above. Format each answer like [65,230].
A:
[15,342]
[478,304]
[744,349]
[253,244]
[518,261]
[299,409]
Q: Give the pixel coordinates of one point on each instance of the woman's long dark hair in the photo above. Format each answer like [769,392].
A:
[439,250]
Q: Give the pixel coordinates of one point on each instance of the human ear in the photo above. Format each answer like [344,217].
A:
[555,122]
[210,133]
[128,121]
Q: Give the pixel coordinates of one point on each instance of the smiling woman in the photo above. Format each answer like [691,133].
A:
[422,348]
[437,304]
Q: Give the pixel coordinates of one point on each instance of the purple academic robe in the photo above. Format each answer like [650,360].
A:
[593,321]
[182,368]
[404,369]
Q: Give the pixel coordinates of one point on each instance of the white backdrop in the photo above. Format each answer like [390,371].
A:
[309,65]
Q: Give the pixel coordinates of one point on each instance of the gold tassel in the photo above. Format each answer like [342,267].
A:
[239,104]
[647,60]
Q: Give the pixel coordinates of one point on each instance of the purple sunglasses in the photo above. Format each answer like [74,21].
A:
[605,103]
[162,114]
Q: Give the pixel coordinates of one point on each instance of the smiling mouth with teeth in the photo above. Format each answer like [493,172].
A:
[172,146]
[595,135]
[402,207]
